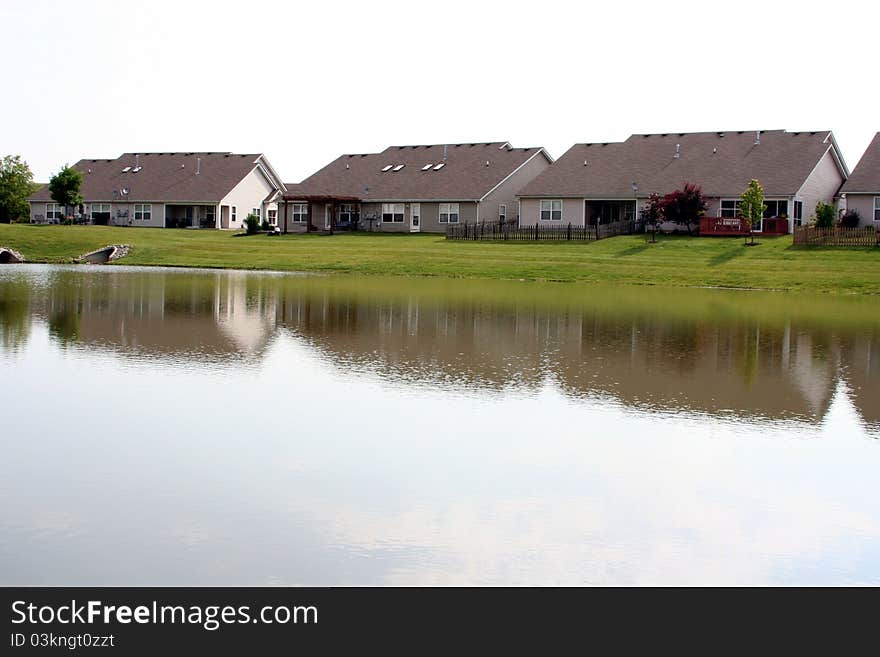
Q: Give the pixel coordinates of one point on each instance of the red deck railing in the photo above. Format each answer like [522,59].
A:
[737,226]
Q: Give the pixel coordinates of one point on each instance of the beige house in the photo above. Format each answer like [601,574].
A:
[169,190]
[411,189]
[600,183]
[861,191]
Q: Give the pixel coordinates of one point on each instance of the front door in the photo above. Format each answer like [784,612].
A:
[415,222]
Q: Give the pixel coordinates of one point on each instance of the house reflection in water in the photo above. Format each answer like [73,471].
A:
[717,356]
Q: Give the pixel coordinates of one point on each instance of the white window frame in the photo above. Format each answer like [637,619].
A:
[346,212]
[256,213]
[736,207]
[502,212]
[451,213]
[549,206]
[392,210]
[210,211]
[272,216]
[877,209]
[797,218]
[232,215]
[143,212]
[300,210]
[54,214]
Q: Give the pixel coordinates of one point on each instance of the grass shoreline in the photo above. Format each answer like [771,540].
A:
[675,261]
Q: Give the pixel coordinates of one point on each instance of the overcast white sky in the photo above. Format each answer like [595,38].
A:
[305,82]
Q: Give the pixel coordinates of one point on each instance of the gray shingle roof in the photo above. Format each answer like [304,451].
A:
[470,171]
[866,176]
[164,177]
[722,163]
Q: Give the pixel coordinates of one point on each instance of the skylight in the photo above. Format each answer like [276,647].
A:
[126,170]
[399,167]
[439,166]
[387,168]
[136,169]
[427,166]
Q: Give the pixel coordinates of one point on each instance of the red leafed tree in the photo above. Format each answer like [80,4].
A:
[684,206]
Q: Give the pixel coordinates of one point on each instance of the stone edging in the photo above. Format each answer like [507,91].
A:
[119,251]
[15,256]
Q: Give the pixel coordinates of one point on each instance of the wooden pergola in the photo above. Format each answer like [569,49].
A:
[311,200]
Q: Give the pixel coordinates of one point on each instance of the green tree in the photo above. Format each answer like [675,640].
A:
[16,185]
[824,215]
[751,205]
[64,187]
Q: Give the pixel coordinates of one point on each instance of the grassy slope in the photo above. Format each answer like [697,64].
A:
[674,261]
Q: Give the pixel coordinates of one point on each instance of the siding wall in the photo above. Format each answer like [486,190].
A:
[249,194]
[864,203]
[507,191]
[572,212]
[430,217]
[821,185]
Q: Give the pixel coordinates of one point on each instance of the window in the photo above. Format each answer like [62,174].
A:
[101,213]
[234,209]
[449,213]
[209,217]
[427,166]
[387,168]
[551,210]
[143,212]
[54,212]
[730,208]
[392,213]
[798,213]
[399,167]
[299,212]
[256,212]
[346,212]
[877,208]
[502,212]
[775,208]
[272,216]
[439,166]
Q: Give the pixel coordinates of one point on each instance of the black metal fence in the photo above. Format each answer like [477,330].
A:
[501,231]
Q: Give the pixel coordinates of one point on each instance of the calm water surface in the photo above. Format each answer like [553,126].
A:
[178,427]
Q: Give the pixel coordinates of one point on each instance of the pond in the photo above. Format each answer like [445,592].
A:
[180,427]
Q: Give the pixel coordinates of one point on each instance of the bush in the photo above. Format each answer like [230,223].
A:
[851,218]
[252,223]
[265,225]
[824,215]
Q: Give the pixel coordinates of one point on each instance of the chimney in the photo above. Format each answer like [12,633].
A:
[137,161]
[757,138]
[198,165]
[445,151]
[677,151]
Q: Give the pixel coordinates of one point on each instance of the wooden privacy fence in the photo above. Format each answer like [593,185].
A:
[500,231]
[836,236]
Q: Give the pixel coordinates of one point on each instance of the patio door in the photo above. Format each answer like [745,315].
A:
[328,215]
[415,217]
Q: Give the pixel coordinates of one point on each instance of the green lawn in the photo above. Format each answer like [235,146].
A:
[673,261]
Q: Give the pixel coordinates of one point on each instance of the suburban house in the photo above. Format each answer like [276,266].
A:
[170,190]
[602,183]
[413,188]
[862,190]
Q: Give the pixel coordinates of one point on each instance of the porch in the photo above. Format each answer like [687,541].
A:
[190,216]
[307,214]
[598,213]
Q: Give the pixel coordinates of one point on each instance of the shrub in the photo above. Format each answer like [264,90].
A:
[851,218]
[252,223]
[265,225]
[684,206]
[824,215]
